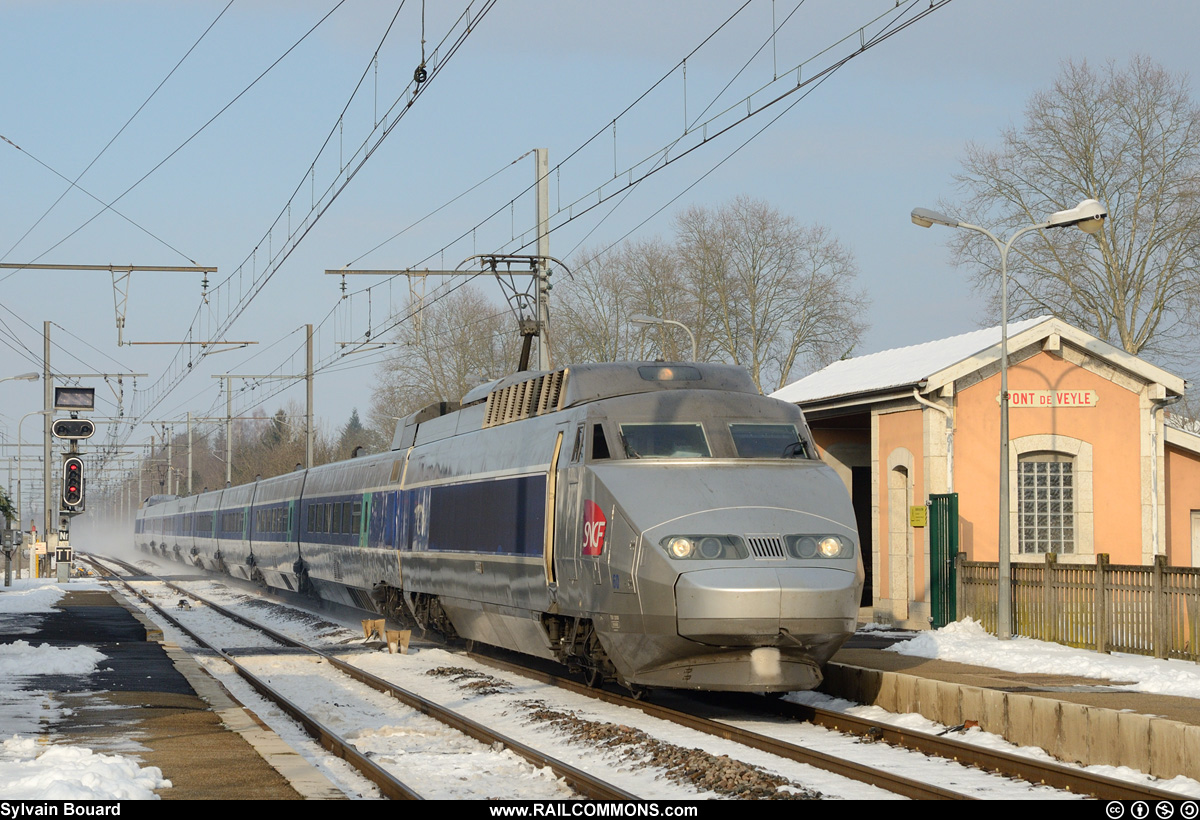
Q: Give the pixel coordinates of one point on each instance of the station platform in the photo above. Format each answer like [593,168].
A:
[152,702]
[1076,720]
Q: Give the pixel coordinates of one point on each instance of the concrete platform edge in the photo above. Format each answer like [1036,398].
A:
[303,776]
[1071,732]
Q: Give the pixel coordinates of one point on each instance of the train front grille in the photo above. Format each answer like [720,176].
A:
[766,546]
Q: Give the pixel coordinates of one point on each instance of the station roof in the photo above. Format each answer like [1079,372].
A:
[933,364]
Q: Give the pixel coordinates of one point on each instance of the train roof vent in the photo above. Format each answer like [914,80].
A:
[532,397]
[766,546]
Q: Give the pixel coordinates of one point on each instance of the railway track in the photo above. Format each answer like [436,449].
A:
[1043,773]
[582,783]
[725,710]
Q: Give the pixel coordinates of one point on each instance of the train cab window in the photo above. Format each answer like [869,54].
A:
[664,441]
[599,443]
[768,441]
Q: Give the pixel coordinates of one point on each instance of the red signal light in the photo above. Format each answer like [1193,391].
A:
[72,495]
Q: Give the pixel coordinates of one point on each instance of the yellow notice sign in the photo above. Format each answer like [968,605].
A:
[917,515]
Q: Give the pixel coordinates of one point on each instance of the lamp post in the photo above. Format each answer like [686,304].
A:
[643,319]
[1089,217]
[20,447]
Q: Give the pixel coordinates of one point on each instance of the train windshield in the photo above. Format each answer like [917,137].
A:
[664,441]
[768,441]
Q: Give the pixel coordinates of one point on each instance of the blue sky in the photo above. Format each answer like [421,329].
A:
[880,136]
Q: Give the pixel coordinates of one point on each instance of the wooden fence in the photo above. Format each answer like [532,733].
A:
[1142,610]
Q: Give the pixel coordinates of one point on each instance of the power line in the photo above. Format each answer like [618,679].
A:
[195,134]
[457,34]
[890,22]
[121,130]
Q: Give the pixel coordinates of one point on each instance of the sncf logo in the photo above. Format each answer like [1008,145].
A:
[594,525]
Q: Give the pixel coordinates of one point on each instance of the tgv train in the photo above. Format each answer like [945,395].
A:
[662,525]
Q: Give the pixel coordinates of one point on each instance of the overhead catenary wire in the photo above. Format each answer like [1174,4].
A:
[109,205]
[74,183]
[464,25]
[221,301]
[892,26]
[333,362]
[894,20]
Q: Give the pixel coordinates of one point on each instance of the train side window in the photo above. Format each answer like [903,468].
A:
[577,450]
[599,443]
[336,525]
[346,521]
[356,517]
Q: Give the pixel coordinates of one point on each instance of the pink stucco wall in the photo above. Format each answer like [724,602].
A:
[1112,427]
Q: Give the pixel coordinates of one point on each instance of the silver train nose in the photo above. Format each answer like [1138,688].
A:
[754,605]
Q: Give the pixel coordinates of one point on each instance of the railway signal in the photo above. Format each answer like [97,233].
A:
[72,488]
[73,429]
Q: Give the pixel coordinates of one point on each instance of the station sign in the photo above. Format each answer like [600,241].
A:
[1052,398]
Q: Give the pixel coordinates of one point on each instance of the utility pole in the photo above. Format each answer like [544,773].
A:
[539,269]
[48,392]
[543,252]
[308,413]
[189,425]
[308,401]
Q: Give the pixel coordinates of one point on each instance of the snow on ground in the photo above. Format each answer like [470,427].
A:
[33,766]
[967,642]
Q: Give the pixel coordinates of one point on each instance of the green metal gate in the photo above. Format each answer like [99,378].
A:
[943,550]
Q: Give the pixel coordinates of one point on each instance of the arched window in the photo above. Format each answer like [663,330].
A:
[1046,501]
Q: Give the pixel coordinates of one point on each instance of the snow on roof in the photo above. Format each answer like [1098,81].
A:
[898,367]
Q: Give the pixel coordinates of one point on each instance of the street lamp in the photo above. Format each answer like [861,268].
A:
[24,377]
[20,469]
[1089,217]
[643,319]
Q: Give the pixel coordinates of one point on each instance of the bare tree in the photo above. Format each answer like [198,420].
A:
[769,294]
[1129,137]
[592,309]
[461,340]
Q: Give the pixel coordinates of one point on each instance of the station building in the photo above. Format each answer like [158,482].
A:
[1094,468]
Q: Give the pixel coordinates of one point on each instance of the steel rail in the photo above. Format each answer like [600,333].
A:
[1034,771]
[578,779]
[389,785]
[861,773]
[582,782]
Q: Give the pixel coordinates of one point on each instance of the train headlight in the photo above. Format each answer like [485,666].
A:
[829,547]
[680,547]
[820,546]
[704,547]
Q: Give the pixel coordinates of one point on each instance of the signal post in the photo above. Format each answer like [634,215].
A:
[71,499]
